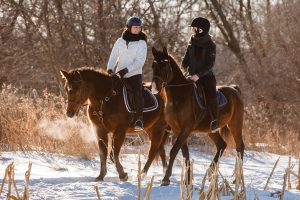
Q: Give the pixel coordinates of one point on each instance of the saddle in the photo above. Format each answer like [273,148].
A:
[200,97]
[150,101]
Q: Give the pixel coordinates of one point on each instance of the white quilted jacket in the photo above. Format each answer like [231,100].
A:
[132,56]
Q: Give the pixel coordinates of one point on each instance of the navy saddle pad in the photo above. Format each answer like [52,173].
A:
[150,101]
[200,98]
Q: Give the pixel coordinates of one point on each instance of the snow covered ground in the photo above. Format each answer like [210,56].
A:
[61,177]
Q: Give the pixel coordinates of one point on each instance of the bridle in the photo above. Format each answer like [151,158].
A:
[112,92]
[165,82]
[99,113]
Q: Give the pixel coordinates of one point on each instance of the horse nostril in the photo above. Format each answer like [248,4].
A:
[70,113]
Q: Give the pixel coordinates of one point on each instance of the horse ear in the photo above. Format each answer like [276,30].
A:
[154,51]
[64,74]
[165,51]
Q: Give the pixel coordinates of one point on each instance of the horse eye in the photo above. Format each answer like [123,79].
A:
[72,88]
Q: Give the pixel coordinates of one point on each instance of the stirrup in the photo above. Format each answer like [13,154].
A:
[138,125]
[214,126]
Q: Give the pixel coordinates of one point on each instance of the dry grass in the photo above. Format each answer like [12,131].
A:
[37,121]
[31,121]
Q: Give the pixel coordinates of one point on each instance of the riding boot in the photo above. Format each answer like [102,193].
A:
[139,104]
[214,112]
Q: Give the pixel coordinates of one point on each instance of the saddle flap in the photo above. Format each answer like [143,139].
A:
[200,97]
[150,101]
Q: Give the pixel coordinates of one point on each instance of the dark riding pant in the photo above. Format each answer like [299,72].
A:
[135,85]
[209,85]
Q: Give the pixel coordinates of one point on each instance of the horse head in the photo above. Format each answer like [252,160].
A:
[76,92]
[166,71]
[162,69]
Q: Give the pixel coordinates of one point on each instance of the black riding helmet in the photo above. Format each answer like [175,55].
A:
[134,21]
[202,25]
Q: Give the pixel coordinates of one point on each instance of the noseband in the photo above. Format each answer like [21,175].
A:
[164,82]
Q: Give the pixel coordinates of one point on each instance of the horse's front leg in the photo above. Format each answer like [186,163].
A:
[186,156]
[103,144]
[181,139]
[118,140]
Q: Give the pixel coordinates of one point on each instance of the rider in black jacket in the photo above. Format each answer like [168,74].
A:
[199,60]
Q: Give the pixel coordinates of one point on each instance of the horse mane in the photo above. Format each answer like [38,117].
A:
[179,72]
[90,70]
[99,77]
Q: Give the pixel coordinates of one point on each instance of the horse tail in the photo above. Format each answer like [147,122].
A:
[237,88]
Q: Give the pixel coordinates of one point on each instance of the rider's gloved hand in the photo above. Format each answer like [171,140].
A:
[123,72]
[110,72]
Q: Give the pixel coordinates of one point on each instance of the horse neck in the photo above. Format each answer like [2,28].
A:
[178,87]
[178,78]
[98,84]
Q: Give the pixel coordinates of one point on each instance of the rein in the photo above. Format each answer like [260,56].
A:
[165,82]
[107,97]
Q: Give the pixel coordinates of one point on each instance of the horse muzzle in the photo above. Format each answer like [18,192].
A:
[70,113]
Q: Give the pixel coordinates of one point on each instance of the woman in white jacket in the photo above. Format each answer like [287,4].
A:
[128,56]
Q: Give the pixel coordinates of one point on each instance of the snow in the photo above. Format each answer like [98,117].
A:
[55,176]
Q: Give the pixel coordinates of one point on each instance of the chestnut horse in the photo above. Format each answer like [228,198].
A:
[183,114]
[107,112]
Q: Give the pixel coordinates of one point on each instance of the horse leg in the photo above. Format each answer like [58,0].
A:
[162,152]
[174,151]
[118,140]
[186,156]
[236,126]
[221,146]
[102,142]
[157,140]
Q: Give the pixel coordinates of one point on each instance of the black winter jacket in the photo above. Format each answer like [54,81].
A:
[206,55]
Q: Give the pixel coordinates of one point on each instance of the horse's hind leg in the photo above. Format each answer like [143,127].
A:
[162,152]
[118,140]
[221,146]
[102,142]
[236,131]
[236,126]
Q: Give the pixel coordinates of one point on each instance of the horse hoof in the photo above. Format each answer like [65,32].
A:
[165,183]
[99,178]
[143,175]
[124,177]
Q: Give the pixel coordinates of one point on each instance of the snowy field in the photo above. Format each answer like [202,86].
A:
[63,177]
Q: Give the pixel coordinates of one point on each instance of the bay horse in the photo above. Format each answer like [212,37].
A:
[183,114]
[107,112]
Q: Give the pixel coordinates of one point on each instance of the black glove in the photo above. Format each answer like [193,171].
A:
[123,72]
[110,72]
